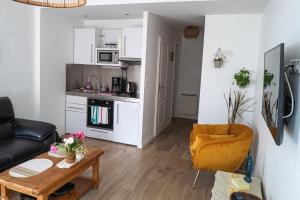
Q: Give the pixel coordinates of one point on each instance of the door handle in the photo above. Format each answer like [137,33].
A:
[75,108]
[124,46]
[117,113]
[98,131]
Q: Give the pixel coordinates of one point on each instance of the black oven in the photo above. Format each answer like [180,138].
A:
[100,114]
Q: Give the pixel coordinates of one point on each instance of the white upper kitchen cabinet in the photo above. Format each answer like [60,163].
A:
[132,42]
[126,122]
[110,36]
[84,45]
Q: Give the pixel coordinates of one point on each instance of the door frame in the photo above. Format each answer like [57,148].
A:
[157,84]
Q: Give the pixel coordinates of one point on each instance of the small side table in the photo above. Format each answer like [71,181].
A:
[222,188]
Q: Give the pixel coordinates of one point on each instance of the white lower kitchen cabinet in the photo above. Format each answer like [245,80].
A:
[126,122]
[76,114]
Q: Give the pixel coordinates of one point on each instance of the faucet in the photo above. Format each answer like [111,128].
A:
[97,81]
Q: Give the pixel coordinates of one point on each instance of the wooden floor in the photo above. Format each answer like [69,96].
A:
[162,170]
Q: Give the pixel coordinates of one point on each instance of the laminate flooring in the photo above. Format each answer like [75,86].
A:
[160,171]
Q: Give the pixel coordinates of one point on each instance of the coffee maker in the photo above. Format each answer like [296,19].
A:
[118,85]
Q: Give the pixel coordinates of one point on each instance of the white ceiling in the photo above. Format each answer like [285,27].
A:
[177,12]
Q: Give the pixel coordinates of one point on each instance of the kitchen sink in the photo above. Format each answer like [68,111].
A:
[93,92]
[85,91]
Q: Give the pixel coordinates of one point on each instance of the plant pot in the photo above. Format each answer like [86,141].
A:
[218,63]
[70,157]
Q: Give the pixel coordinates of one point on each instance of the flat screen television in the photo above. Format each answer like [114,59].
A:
[273,92]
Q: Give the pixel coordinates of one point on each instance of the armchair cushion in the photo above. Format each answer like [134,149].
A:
[33,129]
[203,139]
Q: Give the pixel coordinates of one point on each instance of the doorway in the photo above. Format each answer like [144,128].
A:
[164,83]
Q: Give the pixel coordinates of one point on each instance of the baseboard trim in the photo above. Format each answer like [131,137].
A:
[165,126]
[147,141]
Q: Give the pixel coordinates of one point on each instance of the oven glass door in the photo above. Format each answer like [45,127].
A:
[100,114]
[105,56]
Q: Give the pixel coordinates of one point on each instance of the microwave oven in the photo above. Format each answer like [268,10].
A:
[106,56]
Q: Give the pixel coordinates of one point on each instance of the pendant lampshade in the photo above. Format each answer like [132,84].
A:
[54,3]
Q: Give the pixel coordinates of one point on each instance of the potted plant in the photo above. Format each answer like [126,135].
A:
[72,145]
[237,104]
[219,58]
[242,78]
[237,101]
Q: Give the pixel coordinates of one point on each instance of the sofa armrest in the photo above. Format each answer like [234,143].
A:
[35,130]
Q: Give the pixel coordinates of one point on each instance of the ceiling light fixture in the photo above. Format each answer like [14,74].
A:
[54,3]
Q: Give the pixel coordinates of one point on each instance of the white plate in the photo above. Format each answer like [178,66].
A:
[30,168]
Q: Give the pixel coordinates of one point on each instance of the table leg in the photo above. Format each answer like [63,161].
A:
[4,193]
[95,175]
[42,197]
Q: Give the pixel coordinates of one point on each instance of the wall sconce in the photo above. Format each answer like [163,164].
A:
[219,58]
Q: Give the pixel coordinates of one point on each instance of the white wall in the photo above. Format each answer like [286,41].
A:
[238,37]
[17,57]
[279,165]
[189,73]
[56,52]
[154,27]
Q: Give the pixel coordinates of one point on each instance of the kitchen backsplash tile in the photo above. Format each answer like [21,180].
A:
[74,78]
[77,75]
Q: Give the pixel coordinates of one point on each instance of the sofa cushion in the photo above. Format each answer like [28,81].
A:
[6,110]
[5,162]
[6,131]
[35,130]
[20,150]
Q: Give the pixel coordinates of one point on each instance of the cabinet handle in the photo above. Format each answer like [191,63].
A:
[124,47]
[98,131]
[117,113]
[92,47]
[75,108]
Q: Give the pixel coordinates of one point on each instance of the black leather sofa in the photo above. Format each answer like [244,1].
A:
[21,139]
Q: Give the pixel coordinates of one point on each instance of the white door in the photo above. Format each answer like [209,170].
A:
[162,82]
[170,82]
[84,45]
[132,42]
[126,122]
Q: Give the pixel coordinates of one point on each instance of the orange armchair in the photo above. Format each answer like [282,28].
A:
[219,147]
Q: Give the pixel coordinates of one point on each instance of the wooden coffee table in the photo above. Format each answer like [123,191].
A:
[47,182]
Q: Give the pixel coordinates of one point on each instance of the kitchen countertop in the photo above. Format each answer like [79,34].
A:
[106,96]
